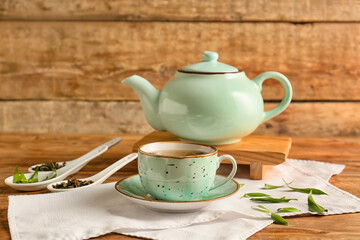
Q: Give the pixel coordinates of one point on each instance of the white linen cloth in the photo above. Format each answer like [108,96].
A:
[92,212]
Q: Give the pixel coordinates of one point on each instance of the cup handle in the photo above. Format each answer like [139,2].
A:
[258,80]
[232,173]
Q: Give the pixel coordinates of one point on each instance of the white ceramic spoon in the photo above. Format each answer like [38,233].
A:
[88,156]
[62,173]
[99,177]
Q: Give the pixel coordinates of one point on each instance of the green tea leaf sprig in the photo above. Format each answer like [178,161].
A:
[288,209]
[313,206]
[268,186]
[261,208]
[53,176]
[271,199]
[20,177]
[23,178]
[279,219]
[275,217]
[305,190]
[16,178]
[255,195]
[35,177]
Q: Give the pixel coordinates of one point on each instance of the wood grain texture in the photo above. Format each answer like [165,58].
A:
[256,170]
[28,149]
[312,119]
[253,151]
[73,117]
[187,10]
[270,150]
[88,60]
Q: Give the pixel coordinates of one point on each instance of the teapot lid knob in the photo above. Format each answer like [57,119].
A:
[209,64]
[209,56]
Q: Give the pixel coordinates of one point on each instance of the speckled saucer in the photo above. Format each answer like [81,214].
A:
[132,189]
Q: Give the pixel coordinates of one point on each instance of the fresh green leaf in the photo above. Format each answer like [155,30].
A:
[313,206]
[261,209]
[279,219]
[268,186]
[272,200]
[35,176]
[20,178]
[53,176]
[23,178]
[288,209]
[306,190]
[16,178]
[241,185]
[255,195]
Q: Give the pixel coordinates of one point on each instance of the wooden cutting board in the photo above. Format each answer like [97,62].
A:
[256,151]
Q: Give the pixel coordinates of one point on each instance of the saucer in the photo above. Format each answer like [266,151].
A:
[132,189]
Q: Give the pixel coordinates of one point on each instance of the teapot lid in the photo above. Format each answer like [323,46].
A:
[209,65]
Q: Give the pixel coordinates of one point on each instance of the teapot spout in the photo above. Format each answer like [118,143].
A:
[149,98]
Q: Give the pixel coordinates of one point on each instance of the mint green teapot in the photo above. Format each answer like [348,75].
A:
[208,102]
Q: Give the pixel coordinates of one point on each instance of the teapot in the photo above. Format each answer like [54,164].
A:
[208,102]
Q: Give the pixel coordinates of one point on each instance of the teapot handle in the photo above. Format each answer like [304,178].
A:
[258,80]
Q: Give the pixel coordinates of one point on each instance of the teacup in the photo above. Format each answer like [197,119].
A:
[180,171]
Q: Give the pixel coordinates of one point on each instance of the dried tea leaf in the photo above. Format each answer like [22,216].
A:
[73,183]
[50,166]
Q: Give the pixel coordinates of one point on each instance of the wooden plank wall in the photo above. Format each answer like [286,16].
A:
[62,61]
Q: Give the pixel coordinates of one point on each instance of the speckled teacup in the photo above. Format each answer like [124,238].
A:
[180,171]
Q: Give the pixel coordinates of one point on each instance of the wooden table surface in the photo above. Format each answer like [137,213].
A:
[28,149]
